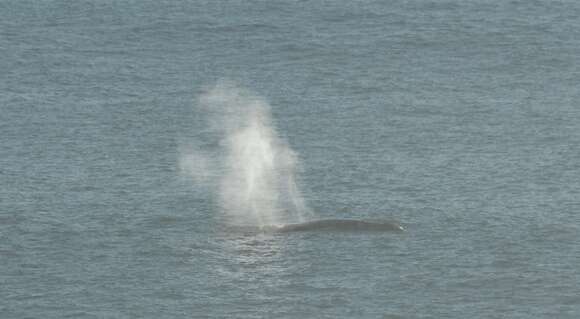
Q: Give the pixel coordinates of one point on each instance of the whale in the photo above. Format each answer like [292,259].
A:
[340,225]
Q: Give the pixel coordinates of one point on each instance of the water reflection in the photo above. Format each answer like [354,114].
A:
[255,267]
[246,253]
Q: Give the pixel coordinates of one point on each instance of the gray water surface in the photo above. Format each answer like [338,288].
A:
[458,119]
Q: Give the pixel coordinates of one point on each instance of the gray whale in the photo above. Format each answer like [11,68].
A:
[340,225]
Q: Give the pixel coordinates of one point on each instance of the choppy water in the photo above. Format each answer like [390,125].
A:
[459,119]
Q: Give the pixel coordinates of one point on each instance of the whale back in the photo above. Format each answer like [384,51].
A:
[341,225]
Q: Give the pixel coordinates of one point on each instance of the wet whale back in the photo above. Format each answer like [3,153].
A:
[341,225]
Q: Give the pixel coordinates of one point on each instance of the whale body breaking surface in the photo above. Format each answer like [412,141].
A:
[344,225]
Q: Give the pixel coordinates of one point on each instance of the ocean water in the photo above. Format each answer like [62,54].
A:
[458,119]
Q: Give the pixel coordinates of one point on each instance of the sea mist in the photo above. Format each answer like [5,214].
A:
[245,163]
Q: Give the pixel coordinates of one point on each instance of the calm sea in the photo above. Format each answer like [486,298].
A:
[459,119]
